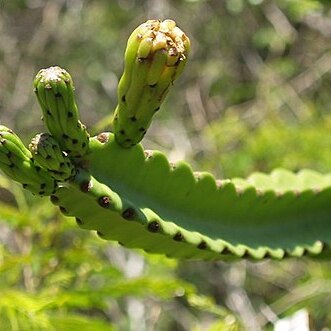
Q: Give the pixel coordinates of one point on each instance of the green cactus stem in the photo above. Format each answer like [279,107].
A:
[47,153]
[155,56]
[55,92]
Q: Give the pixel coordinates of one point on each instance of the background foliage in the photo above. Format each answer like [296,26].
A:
[255,95]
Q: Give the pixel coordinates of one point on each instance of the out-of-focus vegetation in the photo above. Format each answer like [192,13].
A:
[255,95]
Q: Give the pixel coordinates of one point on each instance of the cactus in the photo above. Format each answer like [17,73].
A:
[137,198]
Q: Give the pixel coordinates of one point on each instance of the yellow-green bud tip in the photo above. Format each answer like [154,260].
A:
[157,35]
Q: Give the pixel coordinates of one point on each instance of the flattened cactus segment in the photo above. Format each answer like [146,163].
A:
[16,163]
[55,92]
[155,56]
[169,209]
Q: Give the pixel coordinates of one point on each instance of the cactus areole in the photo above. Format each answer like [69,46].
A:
[140,200]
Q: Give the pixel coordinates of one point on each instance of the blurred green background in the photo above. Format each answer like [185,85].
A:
[255,96]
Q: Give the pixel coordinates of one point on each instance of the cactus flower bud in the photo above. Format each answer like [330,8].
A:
[16,163]
[55,92]
[155,56]
[47,153]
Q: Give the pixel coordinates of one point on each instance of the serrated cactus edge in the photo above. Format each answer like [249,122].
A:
[111,185]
